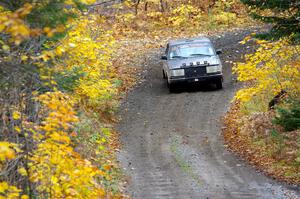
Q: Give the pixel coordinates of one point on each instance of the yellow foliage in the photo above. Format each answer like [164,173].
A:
[61,114]
[59,171]
[54,168]
[16,115]
[7,151]
[224,17]
[89,47]
[182,15]
[12,23]
[8,192]
[22,171]
[272,68]
[24,197]
[72,2]
[18,129]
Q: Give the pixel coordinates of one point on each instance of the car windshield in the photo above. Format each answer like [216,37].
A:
[191,50]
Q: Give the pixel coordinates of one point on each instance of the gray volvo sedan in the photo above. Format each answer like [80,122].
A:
[192,60]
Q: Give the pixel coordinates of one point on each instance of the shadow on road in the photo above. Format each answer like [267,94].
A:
[194,87]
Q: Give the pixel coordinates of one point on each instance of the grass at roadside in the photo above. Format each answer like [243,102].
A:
[185,167]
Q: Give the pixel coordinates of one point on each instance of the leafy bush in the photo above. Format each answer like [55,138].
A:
[289,118]
[69,80]
[274,67]
[225,18]
[183,15]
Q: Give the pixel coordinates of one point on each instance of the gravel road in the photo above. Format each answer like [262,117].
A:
[172,143]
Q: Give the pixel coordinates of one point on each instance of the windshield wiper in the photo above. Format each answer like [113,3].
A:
[199,55]
[178,56]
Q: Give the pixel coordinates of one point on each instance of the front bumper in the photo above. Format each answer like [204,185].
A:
[203,78]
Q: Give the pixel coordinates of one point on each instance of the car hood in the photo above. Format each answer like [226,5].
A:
[183,63]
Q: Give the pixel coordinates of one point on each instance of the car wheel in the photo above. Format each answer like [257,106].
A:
[172,87]
[219,84]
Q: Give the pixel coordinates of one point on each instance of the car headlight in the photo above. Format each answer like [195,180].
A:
[179,72]
[213,69]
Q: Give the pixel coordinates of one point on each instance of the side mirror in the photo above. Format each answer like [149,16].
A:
[164,57]
[219,51]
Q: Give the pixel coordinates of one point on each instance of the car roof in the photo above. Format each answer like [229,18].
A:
[190,40]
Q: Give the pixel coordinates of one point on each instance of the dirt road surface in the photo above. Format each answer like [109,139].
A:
[172,143]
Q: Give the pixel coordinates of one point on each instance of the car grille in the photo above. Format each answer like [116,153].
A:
[195,71]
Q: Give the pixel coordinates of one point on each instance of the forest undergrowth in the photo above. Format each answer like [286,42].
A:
[264,120]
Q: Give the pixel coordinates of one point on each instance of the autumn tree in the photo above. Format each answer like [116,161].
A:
[37,43]
[284,15]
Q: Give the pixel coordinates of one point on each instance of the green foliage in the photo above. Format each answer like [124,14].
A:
[289,118]
[51,14]
[283,14]
[94,140]
[278,138]
[67,81]
[278,143]
[47,13]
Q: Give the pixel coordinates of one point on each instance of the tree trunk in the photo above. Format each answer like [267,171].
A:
[162,6]
[137,6]
[146,6]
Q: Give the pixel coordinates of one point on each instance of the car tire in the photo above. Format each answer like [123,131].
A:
[172,87]
[219,84]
